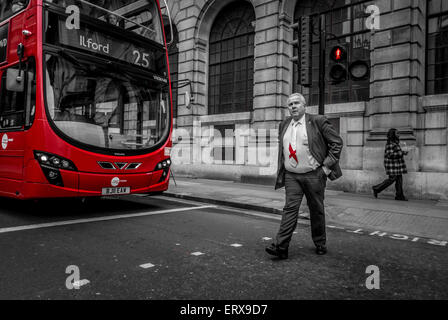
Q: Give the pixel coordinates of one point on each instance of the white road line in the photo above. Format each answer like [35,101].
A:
[116,217]
[79,284]
[197,253]
[179,200]
[236,245]
[335,227]
[147,265]
[272,216]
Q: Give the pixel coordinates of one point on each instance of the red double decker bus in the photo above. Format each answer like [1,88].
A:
[85,98]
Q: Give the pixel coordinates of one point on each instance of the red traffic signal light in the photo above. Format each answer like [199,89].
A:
[338,61]
[338,54]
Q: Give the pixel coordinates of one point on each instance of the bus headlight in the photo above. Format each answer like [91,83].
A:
[53,161]
[165,166]
[51,165]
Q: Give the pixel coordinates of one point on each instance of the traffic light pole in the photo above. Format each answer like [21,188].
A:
[322,55]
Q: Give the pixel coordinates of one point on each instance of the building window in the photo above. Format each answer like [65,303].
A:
[173,57]
[232,60]
[345,24]
[437,47]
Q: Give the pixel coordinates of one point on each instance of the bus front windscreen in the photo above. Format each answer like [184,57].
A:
[138,16]
[103,107]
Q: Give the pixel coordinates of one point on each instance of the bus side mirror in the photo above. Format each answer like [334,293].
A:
[12,82]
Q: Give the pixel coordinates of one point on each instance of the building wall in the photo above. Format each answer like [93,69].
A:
[397,99]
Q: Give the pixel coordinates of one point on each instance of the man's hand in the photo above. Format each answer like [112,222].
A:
[326,170]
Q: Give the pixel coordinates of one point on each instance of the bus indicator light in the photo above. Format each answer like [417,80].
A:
[52,174]
[65,164]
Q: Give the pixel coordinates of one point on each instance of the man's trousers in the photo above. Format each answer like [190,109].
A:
[312,185]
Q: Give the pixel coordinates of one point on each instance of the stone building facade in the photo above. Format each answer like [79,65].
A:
[233,73]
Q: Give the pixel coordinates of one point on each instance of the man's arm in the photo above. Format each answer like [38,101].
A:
[334,143]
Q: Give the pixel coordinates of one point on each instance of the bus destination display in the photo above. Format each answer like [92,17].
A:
[97,42]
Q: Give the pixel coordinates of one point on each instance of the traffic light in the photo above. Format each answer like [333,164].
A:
[338,64]
[359,70]
[304,47]
[341,69]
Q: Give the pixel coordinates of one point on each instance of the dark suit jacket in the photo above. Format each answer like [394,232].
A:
[324,143]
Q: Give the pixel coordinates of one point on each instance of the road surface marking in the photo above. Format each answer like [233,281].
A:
[271,216]
[147,265]
[266,238]
[179,200]
[236,245]
[80,283]
[116,217]
[197,253]
[334,227]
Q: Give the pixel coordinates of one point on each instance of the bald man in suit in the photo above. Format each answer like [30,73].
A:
[309,151]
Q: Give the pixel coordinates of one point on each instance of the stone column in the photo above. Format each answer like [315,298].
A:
[271,69]
[397,78]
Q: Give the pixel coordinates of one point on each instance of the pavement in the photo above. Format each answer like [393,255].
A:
[416,218]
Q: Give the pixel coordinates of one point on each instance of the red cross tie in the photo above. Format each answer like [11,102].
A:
[292,153]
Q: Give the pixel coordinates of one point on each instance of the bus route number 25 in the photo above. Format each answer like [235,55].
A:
[141,58]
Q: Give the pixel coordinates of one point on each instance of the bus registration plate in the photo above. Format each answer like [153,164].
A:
[115,191]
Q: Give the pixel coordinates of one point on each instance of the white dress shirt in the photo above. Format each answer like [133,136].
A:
[298,158]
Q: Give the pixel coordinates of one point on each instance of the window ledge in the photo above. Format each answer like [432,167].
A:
[240,117]
[351,109]
[434,103]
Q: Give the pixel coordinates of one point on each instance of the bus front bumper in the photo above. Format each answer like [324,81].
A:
[81,184]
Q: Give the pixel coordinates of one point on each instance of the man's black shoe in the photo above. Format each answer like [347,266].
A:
[401,198]
[321,250]
[375,192]
[275,251]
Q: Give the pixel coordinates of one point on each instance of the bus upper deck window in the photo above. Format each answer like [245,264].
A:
[17,5]
[10,7]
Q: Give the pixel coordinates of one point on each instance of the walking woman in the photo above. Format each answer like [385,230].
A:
[394,165]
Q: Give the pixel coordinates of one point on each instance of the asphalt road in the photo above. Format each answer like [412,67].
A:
[162,248]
